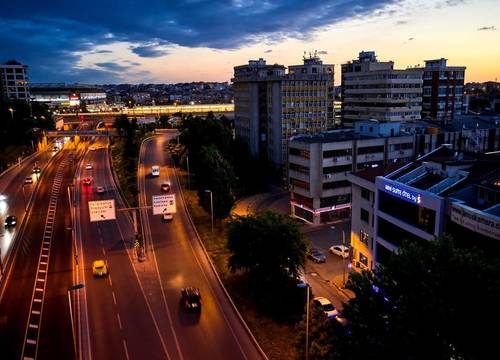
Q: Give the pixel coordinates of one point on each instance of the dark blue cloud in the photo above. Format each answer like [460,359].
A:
[110,66]
[51,36]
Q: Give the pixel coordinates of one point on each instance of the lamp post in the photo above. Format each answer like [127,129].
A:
[11,112]
[74,287]
[189,176]
[211,208]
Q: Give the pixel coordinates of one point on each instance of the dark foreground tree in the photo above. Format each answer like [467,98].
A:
[430,301]
[271,250]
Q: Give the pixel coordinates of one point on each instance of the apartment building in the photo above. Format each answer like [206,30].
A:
[318,166]
[14,81]
[443,89]
[373,89]
[271,104]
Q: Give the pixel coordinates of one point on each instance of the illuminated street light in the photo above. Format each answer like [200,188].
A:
[11,112]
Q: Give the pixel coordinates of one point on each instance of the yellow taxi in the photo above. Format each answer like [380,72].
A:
[99,268]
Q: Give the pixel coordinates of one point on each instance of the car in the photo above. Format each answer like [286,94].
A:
[99,268]
[165,187]
[87,181]
[340,250]
[92,147]
[168,216]
[191,298]
[155,170]
[316,255]
[55,148]
[88,167]
[37,170]
[28,180]
[99,190]
[10,221]
[326,306]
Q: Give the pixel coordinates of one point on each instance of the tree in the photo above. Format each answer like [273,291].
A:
[217,175]
[429,300]
[270,248]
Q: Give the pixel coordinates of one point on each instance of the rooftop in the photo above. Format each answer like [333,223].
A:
[370,174]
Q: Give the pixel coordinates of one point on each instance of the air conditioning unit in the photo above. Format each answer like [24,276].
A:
[348,158]
[328,176]
[401,152]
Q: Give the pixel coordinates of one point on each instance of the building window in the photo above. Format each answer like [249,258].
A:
[396,235]
[365,193]
[299,168]
[364,237]
[336,153]
[371,149]
[299,183]
[365,216]
[299,152]
[363,259]
[337,169]
[336,184]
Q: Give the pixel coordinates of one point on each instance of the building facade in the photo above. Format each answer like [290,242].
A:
[14,81]
[443,192]
[443,89]
[318,166]
[271,105]
[372,89]
[67,95]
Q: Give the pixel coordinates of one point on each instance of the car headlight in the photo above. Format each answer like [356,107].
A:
[13,223]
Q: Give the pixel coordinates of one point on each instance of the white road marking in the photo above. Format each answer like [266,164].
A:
[126,350]
[114,298]
[119,321]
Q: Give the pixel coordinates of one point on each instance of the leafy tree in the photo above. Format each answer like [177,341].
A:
[163,122]
[270,248]
[217,175]
[429,301]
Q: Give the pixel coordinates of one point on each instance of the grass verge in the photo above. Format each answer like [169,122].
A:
[277,340]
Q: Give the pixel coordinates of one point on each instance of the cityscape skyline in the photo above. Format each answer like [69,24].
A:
[202,41]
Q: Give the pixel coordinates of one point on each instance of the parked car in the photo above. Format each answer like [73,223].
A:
[326,306]
[10,221]
[316,255]
[28,180]
[99,268]
[191,298]
[165,187]
[340,250]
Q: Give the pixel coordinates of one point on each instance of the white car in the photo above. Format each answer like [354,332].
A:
[88,167]
[168,216]
[340,250]
[327,306]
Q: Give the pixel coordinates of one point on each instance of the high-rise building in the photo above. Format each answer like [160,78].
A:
[443,89]
[271,105]
[14,81]
[373,89]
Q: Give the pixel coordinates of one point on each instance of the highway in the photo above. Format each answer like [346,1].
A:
[34,310]
[116,319]
[14,198]
[173,247]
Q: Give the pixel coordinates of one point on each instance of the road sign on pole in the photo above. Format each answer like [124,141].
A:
[102,210]
[164,204]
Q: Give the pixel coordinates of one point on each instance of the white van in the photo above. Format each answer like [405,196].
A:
[155,170]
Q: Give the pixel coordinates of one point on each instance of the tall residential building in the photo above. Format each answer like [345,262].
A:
[271,105]
[14,81]
[443,90]
[373,89]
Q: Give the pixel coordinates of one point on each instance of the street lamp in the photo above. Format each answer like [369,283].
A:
[11,112]
[306,285]
[211,208]
[74,287]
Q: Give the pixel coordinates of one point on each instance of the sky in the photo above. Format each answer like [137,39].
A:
[165,41]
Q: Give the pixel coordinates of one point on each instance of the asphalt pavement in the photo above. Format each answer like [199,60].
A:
[173,246]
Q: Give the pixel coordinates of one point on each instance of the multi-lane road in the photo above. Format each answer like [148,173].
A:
[174,247]
[135,311]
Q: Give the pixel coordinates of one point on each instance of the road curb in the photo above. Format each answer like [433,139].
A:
[215,271]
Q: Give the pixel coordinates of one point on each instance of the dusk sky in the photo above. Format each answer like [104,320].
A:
[155,41]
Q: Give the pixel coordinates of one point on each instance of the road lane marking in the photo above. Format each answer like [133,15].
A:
[126,350]
[110,282]
[114,298]
[103,252]
[119,321]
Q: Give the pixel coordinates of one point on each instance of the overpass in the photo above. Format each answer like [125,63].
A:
[146,111]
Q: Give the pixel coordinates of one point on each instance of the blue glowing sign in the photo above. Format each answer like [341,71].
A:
[404,194]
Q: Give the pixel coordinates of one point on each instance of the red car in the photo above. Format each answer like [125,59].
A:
[87,181]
